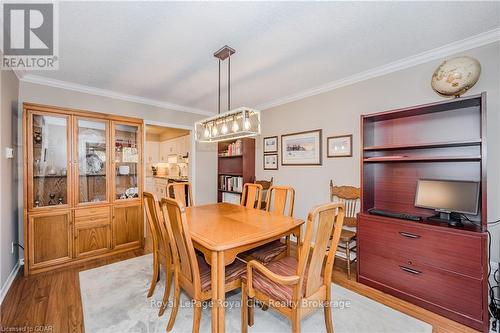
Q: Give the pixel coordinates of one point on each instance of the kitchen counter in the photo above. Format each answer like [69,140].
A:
[176,178]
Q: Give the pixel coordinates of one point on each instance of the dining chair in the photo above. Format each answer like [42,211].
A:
[191,272]
[280,200]
[350,196]
[252,195]
[161,247]
[178,191]
[266,184]
[295,287]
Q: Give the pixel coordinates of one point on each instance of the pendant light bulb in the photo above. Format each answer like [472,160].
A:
[206,133]
[224,128]
[235,126]
[214,130]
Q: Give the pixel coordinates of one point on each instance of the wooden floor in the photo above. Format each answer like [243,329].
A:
[51,302]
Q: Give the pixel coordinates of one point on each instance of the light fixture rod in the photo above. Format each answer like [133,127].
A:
[222,54]
[229,82]
[218,105]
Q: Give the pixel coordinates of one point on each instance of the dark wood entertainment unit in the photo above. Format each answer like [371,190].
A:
[430,264]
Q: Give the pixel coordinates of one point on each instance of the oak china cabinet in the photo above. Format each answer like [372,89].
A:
[83,186]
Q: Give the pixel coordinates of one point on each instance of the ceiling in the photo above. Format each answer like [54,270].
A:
[164,133]
[163,51]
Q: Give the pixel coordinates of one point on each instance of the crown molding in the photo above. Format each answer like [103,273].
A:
[481,39]
[109,93]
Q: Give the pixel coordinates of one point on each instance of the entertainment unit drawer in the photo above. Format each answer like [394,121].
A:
[446,290]
[444,249]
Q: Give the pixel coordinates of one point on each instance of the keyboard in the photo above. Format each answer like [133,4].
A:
[395,215]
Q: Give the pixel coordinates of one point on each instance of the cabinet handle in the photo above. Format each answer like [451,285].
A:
[408,235]
[410,270]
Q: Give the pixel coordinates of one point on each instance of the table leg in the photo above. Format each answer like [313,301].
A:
[214,271]
[218,293]
[221,275]
[297,234]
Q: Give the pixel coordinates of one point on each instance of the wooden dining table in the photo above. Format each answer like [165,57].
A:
[221,231]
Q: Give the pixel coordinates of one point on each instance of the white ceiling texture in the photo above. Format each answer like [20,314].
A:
[163,51]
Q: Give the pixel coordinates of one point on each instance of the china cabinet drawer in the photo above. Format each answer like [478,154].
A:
[93,220]
[92,212]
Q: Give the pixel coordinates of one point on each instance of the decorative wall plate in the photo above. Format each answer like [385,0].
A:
[94,164]
[455,76]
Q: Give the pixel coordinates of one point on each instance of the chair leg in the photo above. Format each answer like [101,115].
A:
[244,309]
[168,282]
[328,315]
[251,310]
[197,316]
[175,307]
[348,258]
[295,321]
[156,274]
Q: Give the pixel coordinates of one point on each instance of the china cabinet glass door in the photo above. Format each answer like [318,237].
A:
[91,164]
[49,160]
[126,141]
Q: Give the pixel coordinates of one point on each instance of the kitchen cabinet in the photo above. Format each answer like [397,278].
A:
[152,152]
[178,146]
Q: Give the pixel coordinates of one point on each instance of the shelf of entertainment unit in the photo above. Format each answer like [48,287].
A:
[236,174]
[445,144]
[235,192]
[230,156]
[423,159]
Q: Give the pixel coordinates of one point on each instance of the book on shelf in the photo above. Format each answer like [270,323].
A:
[231,198]
[234,149]
[231,183]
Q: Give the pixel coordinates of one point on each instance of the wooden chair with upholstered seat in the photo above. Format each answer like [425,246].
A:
[350,196]
[251,196]
[179,191]
[161,247]
[191,271]
[292,286]
[266,184]
[280,200]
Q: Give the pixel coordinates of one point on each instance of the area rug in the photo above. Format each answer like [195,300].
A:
[114,300]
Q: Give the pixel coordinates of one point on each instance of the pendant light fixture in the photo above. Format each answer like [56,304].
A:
[232,124]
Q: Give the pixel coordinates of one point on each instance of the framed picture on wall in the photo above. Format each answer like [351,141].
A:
[270,144]
[339,146]
[271,162]
[303,148]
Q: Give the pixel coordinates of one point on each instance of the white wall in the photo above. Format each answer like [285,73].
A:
[9,89]
[338,112]
[205,158]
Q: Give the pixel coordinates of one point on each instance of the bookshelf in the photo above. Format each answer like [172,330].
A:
[235,165]
[430,264]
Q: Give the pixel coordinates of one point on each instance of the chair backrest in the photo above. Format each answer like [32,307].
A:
[280,197]
[182,247]
[349,195]
[251,196]
[177,191]
[323,222]
[156,226]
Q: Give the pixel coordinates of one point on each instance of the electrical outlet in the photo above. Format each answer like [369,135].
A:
[9,152]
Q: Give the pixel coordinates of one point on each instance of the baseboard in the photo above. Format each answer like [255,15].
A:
[8,283]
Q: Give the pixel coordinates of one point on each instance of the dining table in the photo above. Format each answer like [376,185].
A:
[221,231]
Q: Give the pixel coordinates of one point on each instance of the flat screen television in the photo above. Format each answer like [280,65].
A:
[448,197]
